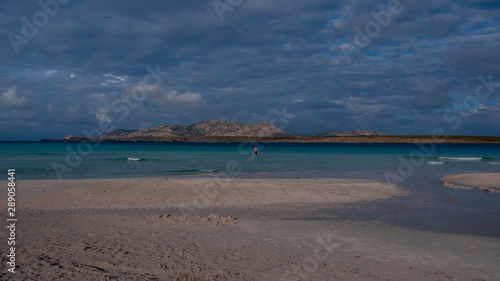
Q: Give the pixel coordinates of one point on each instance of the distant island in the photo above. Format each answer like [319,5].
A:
[226,131]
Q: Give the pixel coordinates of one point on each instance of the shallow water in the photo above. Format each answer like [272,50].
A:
[428,206]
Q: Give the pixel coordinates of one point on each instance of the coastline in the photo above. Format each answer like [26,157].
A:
[304,139]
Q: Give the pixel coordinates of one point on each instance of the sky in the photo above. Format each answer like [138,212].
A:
[399,67]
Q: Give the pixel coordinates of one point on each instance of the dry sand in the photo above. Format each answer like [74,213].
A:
[133,229]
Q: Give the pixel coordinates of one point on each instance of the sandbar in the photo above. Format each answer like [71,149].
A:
[476,179]
[197,192]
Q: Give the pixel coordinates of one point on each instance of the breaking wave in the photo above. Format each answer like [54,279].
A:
[435,162]
[462,158]
[134,159]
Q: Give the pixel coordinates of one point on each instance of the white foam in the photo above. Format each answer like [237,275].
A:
[434,162]
[463,158]
[133,159]
[208,170]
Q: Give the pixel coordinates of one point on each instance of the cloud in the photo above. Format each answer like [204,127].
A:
[51,72]
[265,54]
[110,79]
[430,94]
[10,98]
[487,108]
[173,98]
[186,97]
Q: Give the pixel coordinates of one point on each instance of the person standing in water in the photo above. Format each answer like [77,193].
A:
[255,150]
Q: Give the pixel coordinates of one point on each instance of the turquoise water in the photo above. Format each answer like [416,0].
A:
[415,168]
[36,160]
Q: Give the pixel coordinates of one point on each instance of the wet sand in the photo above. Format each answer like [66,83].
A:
[477,180]
[205,229]
[198,192]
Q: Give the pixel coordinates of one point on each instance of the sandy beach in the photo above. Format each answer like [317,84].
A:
[227,229]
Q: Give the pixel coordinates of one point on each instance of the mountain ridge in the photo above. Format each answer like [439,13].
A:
[211,128]
[230,132]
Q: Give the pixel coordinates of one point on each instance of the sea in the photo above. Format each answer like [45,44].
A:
[415,167]
[46,160]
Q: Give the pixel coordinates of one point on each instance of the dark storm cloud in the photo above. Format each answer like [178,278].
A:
[430,94]
[264,56]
